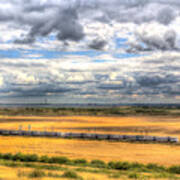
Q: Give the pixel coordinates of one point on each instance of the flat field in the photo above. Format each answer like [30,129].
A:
[164,154]
[24,173]
[13,170]
[103,150]
[141,125]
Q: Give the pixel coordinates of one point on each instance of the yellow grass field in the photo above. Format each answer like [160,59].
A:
[73,148]
[146,125]
[22,173]
[107,151]
[8,173]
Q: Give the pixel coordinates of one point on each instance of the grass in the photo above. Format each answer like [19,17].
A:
[80,161]
[98,163]
[71,174]
[117,165]
[122,110]
[90,150]
[119,170]
[125,120]
[36,174]
[74,148]
[133,176]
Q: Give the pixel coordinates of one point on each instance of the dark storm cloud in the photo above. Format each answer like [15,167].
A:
[6,17]
[98,44]
[65,17]
[165,90]
[111,86]
[165,15]
[170,68]
[170,39]
[156,80]
[144,83]
[62,20]
[36,90]
[27,40]
[68,26]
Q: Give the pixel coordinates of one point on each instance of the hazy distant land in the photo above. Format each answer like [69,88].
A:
[90,109]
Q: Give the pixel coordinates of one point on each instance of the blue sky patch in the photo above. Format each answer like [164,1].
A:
[10,54]
[121,43]
[45,54]
[126,55]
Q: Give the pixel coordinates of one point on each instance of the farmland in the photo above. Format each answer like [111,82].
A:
[158,123]
[106,151]
[30,166]
[141,125]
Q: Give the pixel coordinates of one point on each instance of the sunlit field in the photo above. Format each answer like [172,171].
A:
[9,173]
[26,171]
[73,148]
[143,125]
[103,150]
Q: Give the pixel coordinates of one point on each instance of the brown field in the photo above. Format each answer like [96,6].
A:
[122,151]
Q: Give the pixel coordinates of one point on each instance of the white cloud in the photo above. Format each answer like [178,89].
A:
[151,28]
[1,81]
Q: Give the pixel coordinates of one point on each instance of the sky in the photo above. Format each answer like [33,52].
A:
[95,51]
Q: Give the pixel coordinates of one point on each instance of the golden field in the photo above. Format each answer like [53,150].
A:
[9,173]
[103,150]
[146,125]
[22,173]
[164,154]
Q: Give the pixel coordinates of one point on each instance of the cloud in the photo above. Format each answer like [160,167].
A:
[64,21]
[150,80]
[107,50]
[78,77]
[153,37]
[1,81]
[38,91]
[166,15]
[98,44]
[69,19]
[27,40]
[139,11]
